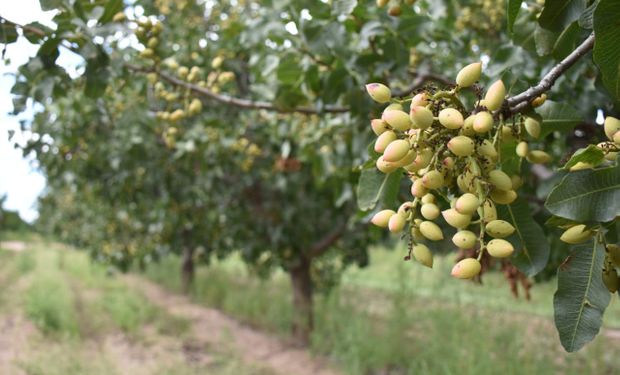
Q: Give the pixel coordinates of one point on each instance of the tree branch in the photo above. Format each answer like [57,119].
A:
[321,246]
[40,33]
[237,102]
[520,101]
[419,81]
[243,103]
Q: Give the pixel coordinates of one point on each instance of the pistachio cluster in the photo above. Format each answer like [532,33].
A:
[193,75]
[610,148]
[394,7]
[451,154]
[192,106]
[485,16]
[148,35]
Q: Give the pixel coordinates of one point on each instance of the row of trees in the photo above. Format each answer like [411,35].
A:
[10,220]
[205,128]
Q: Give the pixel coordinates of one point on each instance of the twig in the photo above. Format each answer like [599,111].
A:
[40,33]
[237,102]
[419,81]
[317,60]
[520,101]
[321,246]
[243,103]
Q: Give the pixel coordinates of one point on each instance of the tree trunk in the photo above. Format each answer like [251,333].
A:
[187,269]
[302,301]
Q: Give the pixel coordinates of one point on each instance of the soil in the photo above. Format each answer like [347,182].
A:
[211,327]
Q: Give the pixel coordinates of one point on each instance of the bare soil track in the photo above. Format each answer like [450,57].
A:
[13,245]
[213,328]
[211,335]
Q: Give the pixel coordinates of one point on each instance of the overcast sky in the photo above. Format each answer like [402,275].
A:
[19,178]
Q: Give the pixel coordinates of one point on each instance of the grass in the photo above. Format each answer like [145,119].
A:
[49,301]
[437,284]
[19,235]
[391,318]
[64,357]
[247,298]
[386,319]
[125,307]
[68,295]
[88,321]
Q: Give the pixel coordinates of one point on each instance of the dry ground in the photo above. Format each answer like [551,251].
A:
[213,343]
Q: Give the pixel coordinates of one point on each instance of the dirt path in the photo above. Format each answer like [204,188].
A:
[14,333]
[215,329]
[13,245]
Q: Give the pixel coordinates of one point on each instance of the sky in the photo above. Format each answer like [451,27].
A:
[19,178]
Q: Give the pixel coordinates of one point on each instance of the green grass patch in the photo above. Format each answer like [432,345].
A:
[13,266]
[125,307]
[128,310]
[26,262]
[247,298]
[437,284]
[49,304]
[19,235]
[64,357]
[70,295]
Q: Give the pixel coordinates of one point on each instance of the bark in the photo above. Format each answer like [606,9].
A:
[187,269]
[521,101]
[303,316]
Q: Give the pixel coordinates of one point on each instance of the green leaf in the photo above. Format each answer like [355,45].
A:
[344,7]
[50,4]
[335,85]
[288,97]
[606,45]
[511,162]
[8,31]
[374,186]
[586,19]
[558,14]
[288,71]
[374,155]
[560,222]
[512,11]
[581,298]
[370,30]
[587,195]
[49,49]
[591,154]
[545,40]
[111,8]
[413,26]
[529,239]
[558,117]
[97,74]
[34,36]
[567,41]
